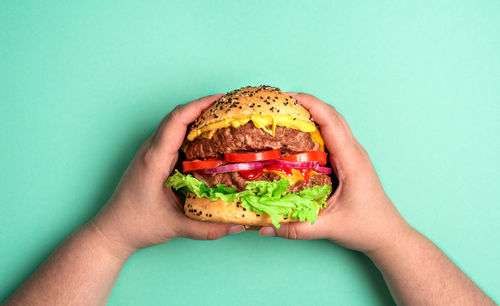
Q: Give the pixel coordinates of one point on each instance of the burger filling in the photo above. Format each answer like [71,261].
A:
[239,182]
[282,185]
[282,175]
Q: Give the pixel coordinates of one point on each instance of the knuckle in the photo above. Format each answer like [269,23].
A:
[176,112]
[332,114]
[362,150]
[292,232]
[149,156]
[300,96]
[212,235]
[332,108]
[360,154]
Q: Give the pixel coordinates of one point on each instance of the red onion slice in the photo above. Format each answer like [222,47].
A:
[235,167]
[307,164]
[323,170]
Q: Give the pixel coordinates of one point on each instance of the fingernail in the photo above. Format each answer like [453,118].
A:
[236,229]
[267,231]
[291,93]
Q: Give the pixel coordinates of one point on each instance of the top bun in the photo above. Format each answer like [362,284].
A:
[247,101]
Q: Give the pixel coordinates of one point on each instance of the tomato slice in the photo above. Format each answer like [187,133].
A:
[308,156]
[253,156]
[192,165]
[251,175]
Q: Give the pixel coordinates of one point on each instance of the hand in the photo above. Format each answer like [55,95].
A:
[142,212]
[359,215]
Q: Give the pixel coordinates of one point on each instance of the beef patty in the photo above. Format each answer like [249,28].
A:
[250,138]
[234,179]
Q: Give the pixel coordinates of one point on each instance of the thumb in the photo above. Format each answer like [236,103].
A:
[294,231]
[299,231]
[199,230]
[169,135]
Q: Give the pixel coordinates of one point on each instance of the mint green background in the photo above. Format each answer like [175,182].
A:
[83,83]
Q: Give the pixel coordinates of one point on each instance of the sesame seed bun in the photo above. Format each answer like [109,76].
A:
[247,101]
[203,209]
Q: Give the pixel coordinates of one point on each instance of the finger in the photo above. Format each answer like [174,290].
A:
[341,118]
[298,231]
[344,122]
[344,154]
[325,115]
[170,134]
[348,128]
[199,230]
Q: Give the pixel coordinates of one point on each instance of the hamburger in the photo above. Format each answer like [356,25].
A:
[254,157]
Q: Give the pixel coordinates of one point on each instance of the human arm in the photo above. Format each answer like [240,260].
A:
[141,213]
[417,272]
[361,216]
[81,271]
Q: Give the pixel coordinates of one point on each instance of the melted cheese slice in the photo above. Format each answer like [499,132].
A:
[316,137]
[260,121]
[294,178]
[266,122]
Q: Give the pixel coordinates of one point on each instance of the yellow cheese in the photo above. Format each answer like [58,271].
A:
[295,177]
[208,134]
[316,137]
[260,121]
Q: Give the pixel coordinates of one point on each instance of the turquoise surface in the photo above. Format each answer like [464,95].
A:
[83,83]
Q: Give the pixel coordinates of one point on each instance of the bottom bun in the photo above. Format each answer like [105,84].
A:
[220,211]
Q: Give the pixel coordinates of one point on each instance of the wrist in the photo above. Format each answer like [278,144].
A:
[107,230]
[399,237]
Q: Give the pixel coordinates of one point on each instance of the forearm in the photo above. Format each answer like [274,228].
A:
[81,271]
[417,272]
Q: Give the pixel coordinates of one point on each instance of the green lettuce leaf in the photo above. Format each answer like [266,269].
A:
[188,183]
[260,196]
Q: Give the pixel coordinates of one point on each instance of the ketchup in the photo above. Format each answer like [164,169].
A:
[251,175]
[306,173]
